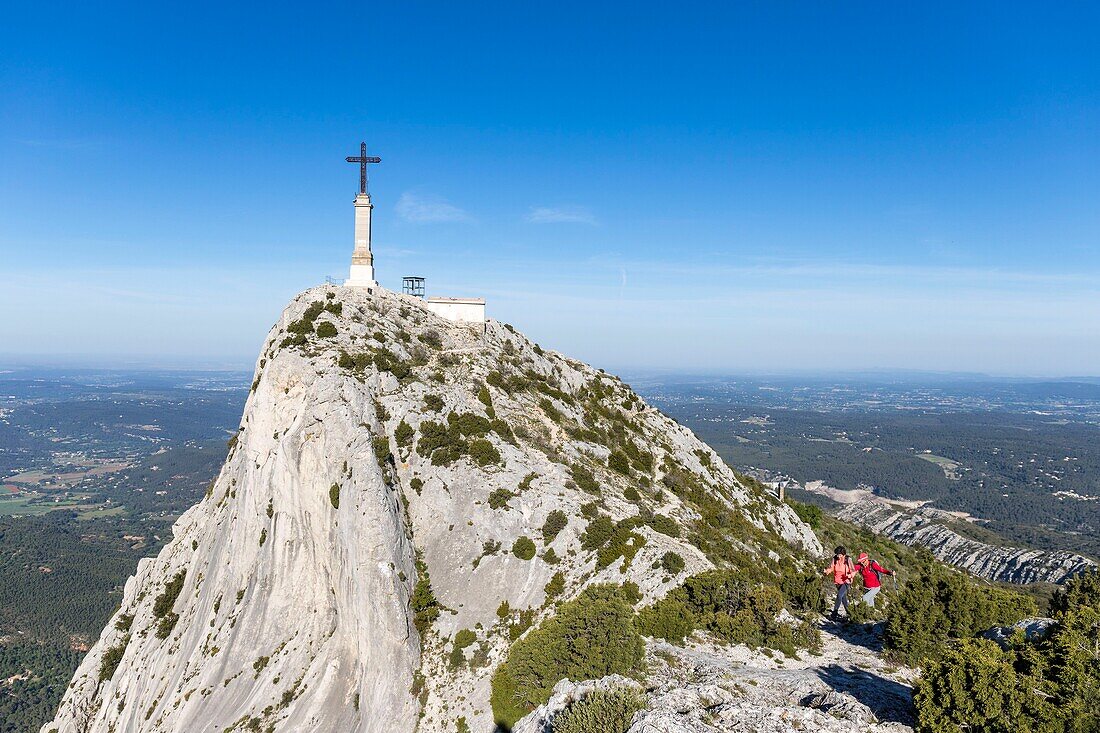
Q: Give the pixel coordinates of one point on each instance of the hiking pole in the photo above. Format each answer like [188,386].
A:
[895,577]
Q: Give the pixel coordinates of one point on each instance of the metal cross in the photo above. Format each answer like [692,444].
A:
[362,159]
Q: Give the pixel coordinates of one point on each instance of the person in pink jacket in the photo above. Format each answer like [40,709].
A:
[843,570]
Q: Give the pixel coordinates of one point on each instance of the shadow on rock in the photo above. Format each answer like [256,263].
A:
[868,636]
[888,700]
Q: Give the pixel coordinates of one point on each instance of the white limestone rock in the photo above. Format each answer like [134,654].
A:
[929,527]
[294,614]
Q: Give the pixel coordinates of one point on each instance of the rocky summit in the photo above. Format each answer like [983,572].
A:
[402,490]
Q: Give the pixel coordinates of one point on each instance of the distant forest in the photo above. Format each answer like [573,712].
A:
[1010,465]
[62,575]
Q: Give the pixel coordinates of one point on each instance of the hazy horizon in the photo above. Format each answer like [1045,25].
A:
[735,187]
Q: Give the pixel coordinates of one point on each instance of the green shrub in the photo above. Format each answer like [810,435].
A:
[974,686]
[334,495]
[167,598]
[550,557]
[382,450]
[464,638]
[672,563]
[668,619]
[600,711]
[523,548]
[111,659]
[555,522]
[386,361]
[433,402]
[403,434]
[503,429]
[483,452]
[1080,591]
[631,494]
[425,607]
[590,510]
[664,525]
[416,484]
[740,606]
[556,586]
[597,533]
[496,380]
[551,412]
[166,625]
[485,398]
[619,463]
[263,536]
[624,542]
[468,424]
[808,513]
[431,338]
[499,498]
[326,329]
[591,637]
[942,604]
[584,479]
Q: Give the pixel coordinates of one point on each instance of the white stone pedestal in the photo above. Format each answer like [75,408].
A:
[362,259]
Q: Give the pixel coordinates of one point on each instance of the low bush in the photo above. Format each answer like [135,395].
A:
[1046,685]
[464,638]
[523,548]
[667,619]
[483,452]
[334,495]
[326,329]
[425,607]
[672,563]
[597,533]
[111,659]
[164,602]
[738,605]
[600,711]
[555,522]
[619,463]
[590,637]
[664,525]
[584,479]
[556,586]
[499,498]
[941,604]
[403,434]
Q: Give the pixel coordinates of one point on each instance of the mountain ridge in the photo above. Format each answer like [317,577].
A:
[391,485]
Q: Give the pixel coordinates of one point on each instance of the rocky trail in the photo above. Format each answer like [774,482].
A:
[703,688]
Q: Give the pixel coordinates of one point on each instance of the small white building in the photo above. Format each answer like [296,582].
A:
[467,310]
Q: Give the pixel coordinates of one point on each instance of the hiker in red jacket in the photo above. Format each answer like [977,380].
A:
[872,574]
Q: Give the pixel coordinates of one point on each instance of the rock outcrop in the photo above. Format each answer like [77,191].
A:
[929,527]
[704,689]
[396,478]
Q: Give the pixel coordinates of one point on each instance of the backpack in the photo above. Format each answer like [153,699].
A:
[871,567]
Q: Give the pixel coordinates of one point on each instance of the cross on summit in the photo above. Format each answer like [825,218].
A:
[362,159]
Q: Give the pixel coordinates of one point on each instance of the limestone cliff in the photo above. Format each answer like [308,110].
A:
[391,484]
[931,528]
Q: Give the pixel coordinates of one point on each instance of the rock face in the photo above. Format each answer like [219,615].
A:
[926,527]
[393,471]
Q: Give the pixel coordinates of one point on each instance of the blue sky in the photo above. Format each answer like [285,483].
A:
[699,186]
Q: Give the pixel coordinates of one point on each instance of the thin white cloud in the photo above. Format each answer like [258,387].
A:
[560,215]
[420,209]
